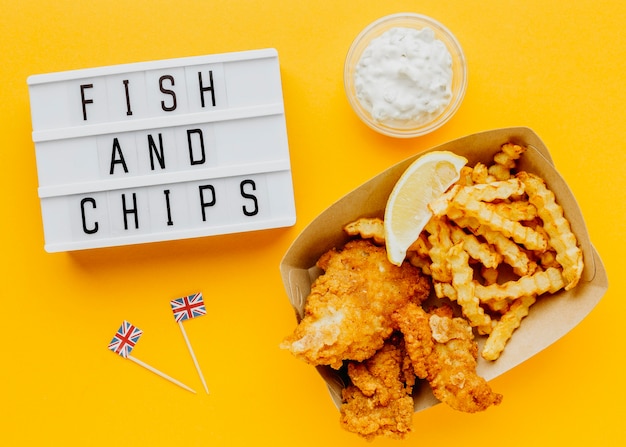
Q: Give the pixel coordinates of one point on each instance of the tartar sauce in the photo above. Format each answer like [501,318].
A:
[404,77]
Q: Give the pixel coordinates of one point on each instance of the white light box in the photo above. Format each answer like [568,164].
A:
[161,150]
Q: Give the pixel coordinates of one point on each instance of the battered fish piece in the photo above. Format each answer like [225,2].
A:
[379,402]
[448,358]
[347,315]
[452,367]
[412,321]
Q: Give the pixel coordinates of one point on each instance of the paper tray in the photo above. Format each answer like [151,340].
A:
[549,319]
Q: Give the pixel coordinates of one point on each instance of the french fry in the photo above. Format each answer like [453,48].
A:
[518,210]
[421,246]
[459,196]
[489,275]
[421,262]
[440,242]
[512,254]
[508,155]
[464,285]
[548,259]
[465,179]
[488,192]
[505,160]
[475,248]
[549,280]
[568,254]
[442,204]
[504,328]
[498,306]
[480,174]
[444,290]
[499,172]
[521,234]
[367,228]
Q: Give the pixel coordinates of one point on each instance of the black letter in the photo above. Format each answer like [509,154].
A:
[114,152]
[128,111]
[85,101]
[153,151]
[167,204]
[204,89]
[204,204]
[168,92]
[82,214]
[252,197]
[132,210]
[201,137]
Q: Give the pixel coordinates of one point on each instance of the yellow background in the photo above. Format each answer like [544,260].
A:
[557,67]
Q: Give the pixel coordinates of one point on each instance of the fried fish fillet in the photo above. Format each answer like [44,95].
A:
[448,358]
[412,321]
[347,315]
[379,402]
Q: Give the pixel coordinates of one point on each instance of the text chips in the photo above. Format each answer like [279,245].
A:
[161,150]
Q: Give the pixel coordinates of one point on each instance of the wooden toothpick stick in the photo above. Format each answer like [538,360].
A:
[193,356]
[185,308]
[161,374]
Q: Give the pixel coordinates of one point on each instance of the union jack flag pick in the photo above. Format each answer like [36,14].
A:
[125,339]
[185,308]
[188,307]
[123,343]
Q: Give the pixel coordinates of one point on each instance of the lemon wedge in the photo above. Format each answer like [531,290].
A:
[407,212]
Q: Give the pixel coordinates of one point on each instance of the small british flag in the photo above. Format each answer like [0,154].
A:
[125,339]
[188,307]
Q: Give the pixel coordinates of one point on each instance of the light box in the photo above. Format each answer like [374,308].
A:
[161,150]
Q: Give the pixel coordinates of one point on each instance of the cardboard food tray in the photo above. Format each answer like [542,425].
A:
[549,319]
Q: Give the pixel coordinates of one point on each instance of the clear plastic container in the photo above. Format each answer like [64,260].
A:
[459,73]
